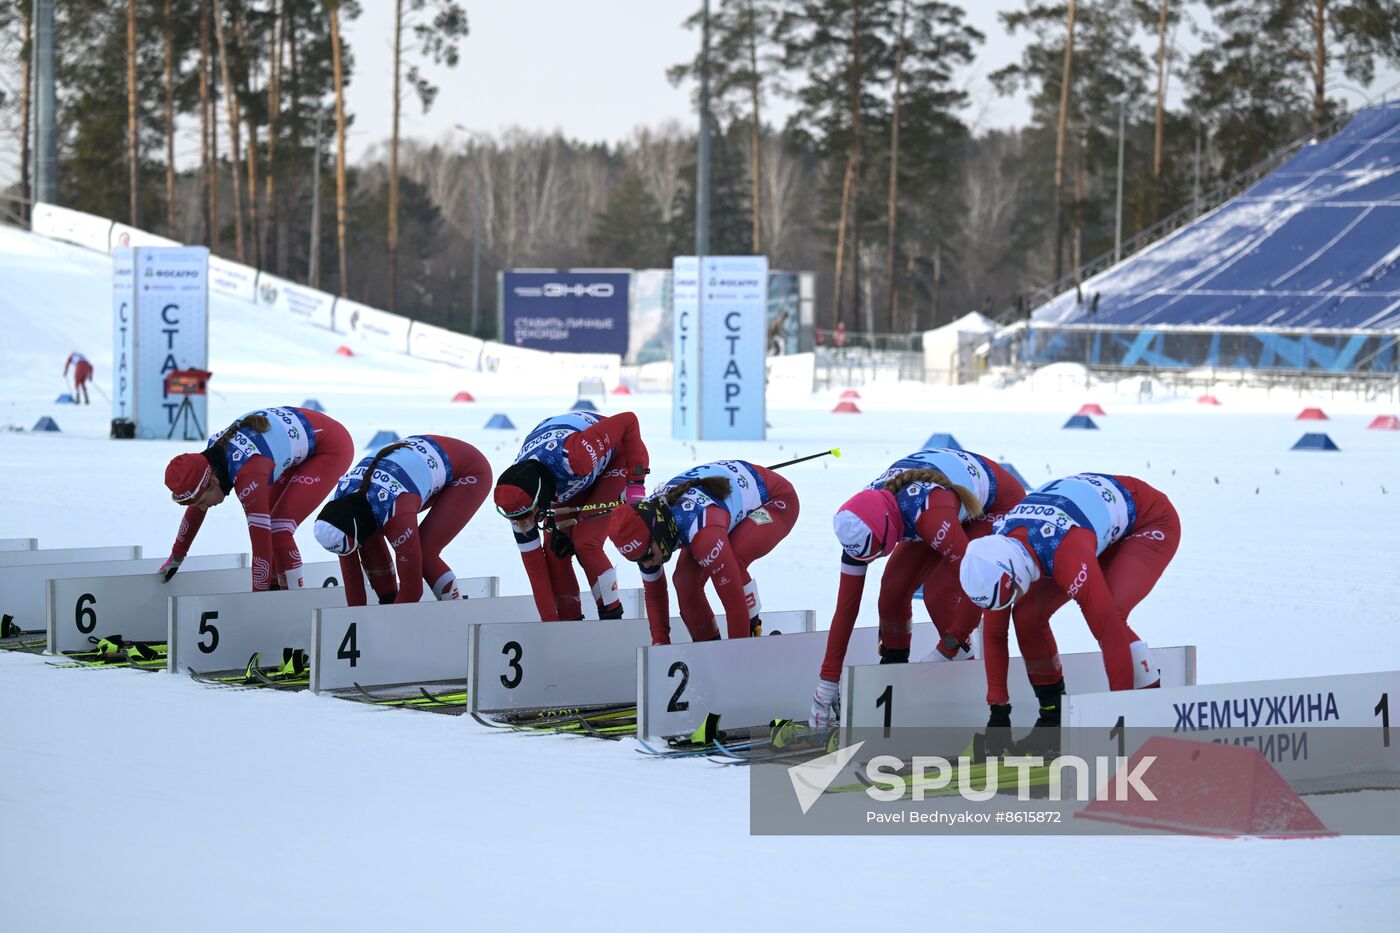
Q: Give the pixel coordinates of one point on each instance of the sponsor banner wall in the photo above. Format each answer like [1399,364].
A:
[232,279]
[380,328]
[649,327]
[123,235]
[556,368]
[71,226]
[573,311]
[444,346]
[299,301]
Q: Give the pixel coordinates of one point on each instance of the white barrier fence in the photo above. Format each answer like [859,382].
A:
[371,325]
[954,693]
[19,544]
[132,605]
[745,681]
[72,555]
[417,644]
[517,666]
[24,589]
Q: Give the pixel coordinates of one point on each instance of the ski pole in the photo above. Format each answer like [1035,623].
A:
[600,509]
[835,452]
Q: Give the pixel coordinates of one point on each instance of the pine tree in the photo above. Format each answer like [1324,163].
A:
[743,62]
[438,38]
[1108,69]
[1263,74]
[630,232]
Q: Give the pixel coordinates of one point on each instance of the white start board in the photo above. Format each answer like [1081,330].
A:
[221,633]
[131,605]
[27,588]
[745,681]
[526,665]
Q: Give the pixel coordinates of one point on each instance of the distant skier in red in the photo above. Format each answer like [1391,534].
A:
[376,505]
[82,374]
[282,462]
[1100,540]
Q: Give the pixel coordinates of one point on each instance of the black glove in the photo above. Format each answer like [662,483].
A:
[894,655]
[996,742]
[561,544]
[610,612]
[387,598]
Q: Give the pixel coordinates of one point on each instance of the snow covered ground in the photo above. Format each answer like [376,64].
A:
[146,800]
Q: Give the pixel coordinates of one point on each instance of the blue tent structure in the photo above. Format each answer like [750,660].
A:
[583,404]
[1315,442]
[918,596]
[312,405]
[1082,422]
[942,439]
[65,399]
[382,439]
[1016,473]
[500,422]
[46,424]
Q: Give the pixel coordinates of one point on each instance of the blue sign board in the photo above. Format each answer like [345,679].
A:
[573,311]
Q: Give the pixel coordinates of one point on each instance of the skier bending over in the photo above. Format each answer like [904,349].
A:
[1100,540]
[584,463]
[722,517]
[82,375]
[376,506]
[921,513]
[281,462]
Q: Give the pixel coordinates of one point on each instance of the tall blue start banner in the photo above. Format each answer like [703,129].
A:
[719,348]
[573,311]
[160,323]
[685,349]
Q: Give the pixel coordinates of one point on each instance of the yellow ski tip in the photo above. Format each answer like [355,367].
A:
[836,452]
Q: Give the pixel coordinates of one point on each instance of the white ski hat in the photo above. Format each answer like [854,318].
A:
[868,525]
[994,569]
[333,539]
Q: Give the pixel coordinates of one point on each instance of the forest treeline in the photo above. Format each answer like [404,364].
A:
[877,181]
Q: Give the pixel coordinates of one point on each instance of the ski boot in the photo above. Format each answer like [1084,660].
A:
[1044,739]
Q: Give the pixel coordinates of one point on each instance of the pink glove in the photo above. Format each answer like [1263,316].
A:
[167,569]
[634,493]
